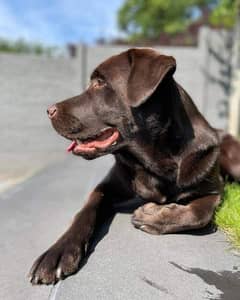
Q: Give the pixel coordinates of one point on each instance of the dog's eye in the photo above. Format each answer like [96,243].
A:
[98,83]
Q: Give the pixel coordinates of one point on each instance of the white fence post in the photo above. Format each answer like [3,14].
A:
[234,105]
[234,100]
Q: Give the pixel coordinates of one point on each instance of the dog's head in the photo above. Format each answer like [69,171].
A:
[117,104]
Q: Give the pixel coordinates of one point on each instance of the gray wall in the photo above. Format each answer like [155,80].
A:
[28,84]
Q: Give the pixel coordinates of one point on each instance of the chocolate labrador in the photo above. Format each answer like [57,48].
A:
[165,152]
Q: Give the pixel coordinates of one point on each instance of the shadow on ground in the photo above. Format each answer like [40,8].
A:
[227,282]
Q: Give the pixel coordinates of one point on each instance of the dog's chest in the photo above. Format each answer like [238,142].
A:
[148,187]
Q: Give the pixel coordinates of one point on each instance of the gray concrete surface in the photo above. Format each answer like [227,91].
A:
[126,263]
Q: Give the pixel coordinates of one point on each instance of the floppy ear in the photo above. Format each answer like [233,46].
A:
[148,69]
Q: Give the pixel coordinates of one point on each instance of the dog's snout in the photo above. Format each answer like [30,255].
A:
[52,111]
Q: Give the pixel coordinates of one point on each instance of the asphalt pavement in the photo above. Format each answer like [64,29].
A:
[125,264]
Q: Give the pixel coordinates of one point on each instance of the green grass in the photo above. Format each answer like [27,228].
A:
[227,216]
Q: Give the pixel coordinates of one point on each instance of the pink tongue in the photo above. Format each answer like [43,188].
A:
[72,146]
[98,143]
[93,145]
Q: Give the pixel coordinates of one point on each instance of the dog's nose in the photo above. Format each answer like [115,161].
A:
[52,111]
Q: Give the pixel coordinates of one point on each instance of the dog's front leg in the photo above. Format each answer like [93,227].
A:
[158,219]
[63,258]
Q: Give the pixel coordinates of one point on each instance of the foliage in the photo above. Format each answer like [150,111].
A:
[21,46]
[227,216]
[225,13]
[142,19]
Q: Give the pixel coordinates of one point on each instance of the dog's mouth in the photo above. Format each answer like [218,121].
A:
[104,139]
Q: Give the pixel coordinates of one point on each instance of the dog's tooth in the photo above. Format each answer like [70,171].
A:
[115,143]
[105,128]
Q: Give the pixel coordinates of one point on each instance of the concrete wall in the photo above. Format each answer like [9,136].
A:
[28,84]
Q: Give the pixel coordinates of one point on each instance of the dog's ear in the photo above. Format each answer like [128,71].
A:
[147,69]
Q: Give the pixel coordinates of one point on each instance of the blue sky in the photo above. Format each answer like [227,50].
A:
[57,22]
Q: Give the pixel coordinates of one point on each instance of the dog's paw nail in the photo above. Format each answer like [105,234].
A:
[35,280]
[86,248]
[30,277]
[58,272]
[142,227]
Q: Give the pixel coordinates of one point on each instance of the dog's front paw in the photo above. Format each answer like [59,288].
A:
[58,262]
[144,218]
[156,219]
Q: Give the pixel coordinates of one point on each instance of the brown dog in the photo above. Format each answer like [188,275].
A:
[165,152]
